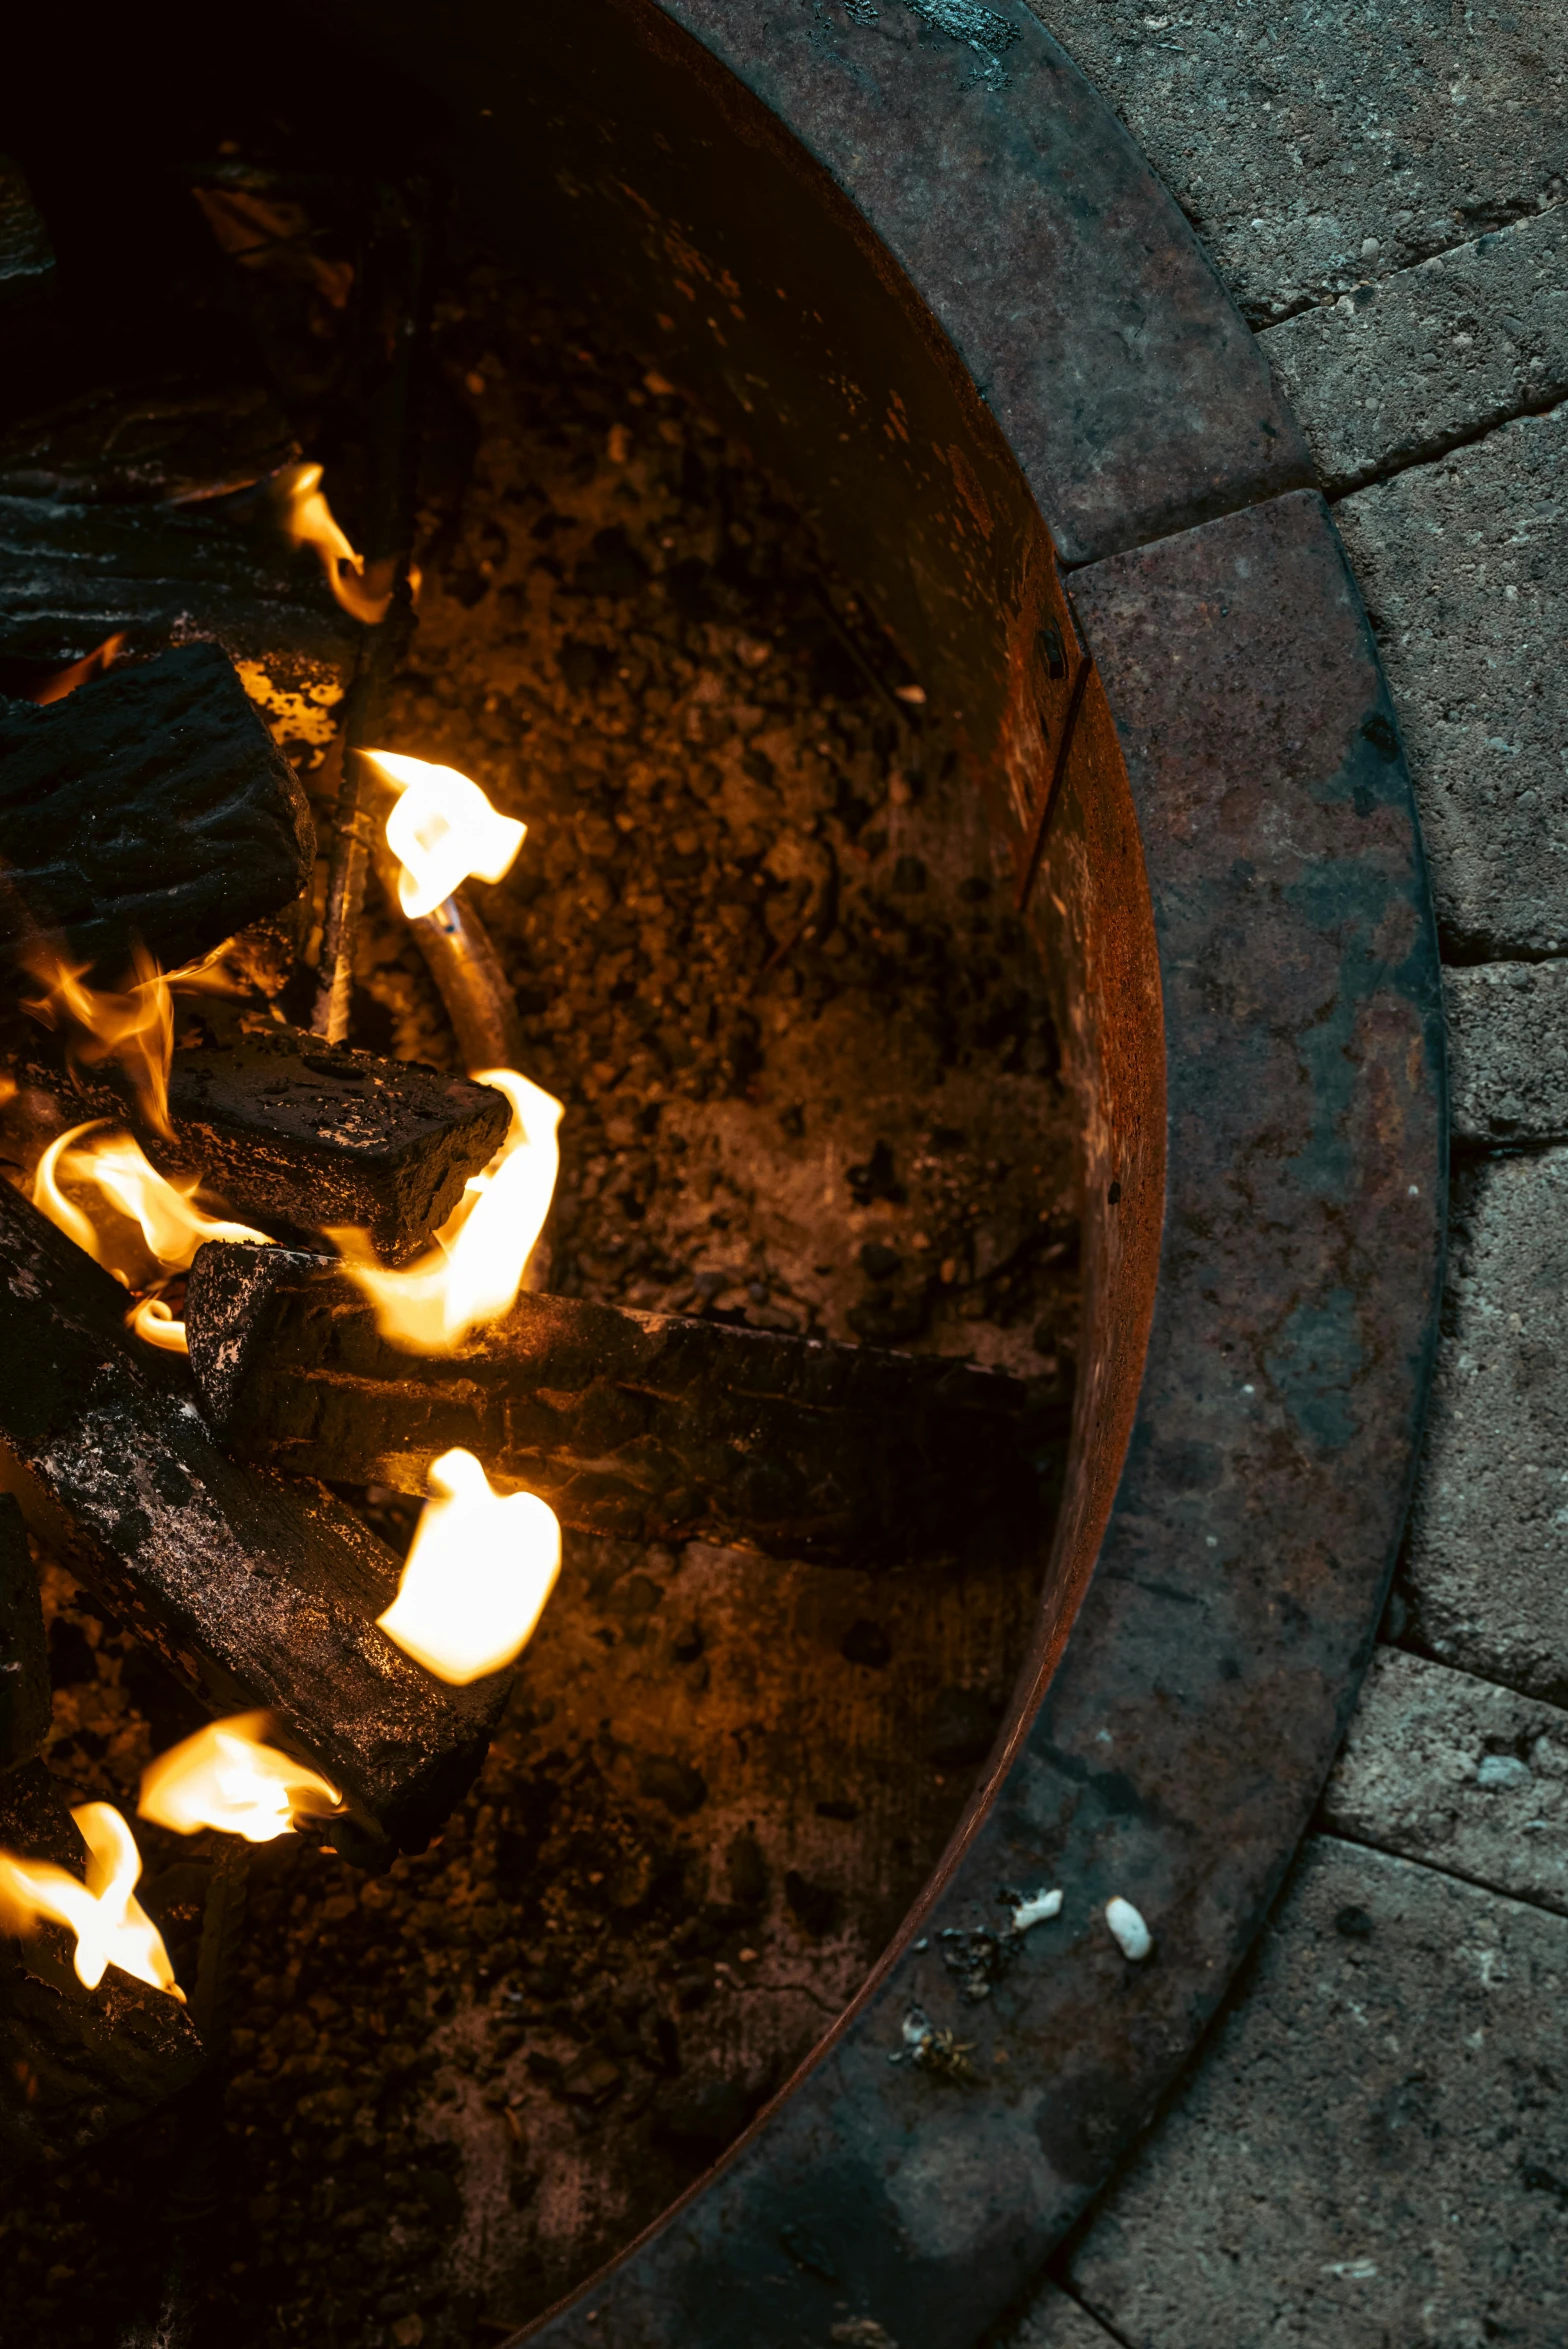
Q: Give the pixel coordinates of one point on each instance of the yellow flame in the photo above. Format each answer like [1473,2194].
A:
[441,830]
[225,1776]
[153,1321]
[308,520]
[111,1927]
[476,1268]
[172,1225]
[478,1575]
[135,1028]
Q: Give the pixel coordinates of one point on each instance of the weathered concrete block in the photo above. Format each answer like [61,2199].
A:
[1315,146]
[1375,2148]
[1442,1767]
[1464,566]
[1056,2321]
[1397,372]
[1486,1575]
[1508,1051]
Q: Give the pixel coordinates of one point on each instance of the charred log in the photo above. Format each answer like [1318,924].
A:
[289,1132]
[151,441]
[149,805]
[25,1697]
[632,1424]
[26,255]
[75,2064]
[253,1589]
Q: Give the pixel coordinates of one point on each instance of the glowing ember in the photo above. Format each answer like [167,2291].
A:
[136,1028]
[308,520]
[442,829]
[476,1268]
[111,1927]
[226,1777]
[478,1575]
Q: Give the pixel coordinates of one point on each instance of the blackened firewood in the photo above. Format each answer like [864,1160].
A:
[289,1132]
[632,1424]
[75,2064]
[24,1657]
[149,805]
[149,441]
[254,1589]
[26,255]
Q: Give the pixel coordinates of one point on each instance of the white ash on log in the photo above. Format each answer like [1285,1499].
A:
[75,2064]
[293,1134]
[25,1695]
[639,1425]
[255,1590]
[150,805]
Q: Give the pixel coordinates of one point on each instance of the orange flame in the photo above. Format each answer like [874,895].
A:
[478,1575]
[111,1927]
[224,1776]
[94,664]
[136,1028]
[476,1268]
[308,520]
[441,830]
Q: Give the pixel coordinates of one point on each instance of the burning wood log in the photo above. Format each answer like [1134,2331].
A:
[25,1696]
[151,441]
[74,2064]
[291,1132]
[256,1591]
[643,1426]
[149,805]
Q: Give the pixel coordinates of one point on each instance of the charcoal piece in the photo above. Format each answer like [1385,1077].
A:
[255,1590]
[631,1424]
[26,255]
[150,804]
[158,440]
[25,1699]
[75,2064]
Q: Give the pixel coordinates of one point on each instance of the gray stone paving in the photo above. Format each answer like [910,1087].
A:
[1056,2321]
[1486,1574]
[1320,143]
[1403,370]
[1374,2152]
[1458,1773]
[1508,1051]
[1464,567]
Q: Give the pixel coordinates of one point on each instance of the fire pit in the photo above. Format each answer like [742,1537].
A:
[766,955]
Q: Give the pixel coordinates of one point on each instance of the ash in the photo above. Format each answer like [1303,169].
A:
[811,1084]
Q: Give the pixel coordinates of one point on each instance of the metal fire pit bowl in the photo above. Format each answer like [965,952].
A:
[908,256]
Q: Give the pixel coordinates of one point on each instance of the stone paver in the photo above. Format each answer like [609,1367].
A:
[1317,143]
[1394,373]
[1486,1571]
[1464,566]
[1057,2322]
[1374,2152]
[1508,1051]
[1452,1770]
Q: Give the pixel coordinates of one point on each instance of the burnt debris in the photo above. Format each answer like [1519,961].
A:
[253,1589]
[24,1657]
[644,1426]
[150,805]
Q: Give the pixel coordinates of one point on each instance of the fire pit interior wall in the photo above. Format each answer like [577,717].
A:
[834,1088]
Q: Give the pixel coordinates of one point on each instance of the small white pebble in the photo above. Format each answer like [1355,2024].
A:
[1502,1770]
[1132,1935]
[1036,1909]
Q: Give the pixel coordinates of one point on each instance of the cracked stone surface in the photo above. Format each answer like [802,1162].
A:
[1486,1575]
[1445,1768]
[1395,372]
[1462,564]
[1322,143]
[1056,2321]
[1374,2150]
[1508,1051]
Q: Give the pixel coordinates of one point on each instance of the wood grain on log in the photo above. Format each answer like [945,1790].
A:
[634,1424]
[254,1589]
[149,805]
[152,441]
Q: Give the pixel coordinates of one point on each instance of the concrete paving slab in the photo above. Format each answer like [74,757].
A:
[1486,1569]
[1441,1767]
[1056,2321]
[1464,566]
[1508,1051]
[1322,142]
[1398,372]
[1375,2152]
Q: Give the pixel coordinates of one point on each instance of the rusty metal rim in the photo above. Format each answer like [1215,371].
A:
[812,202]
